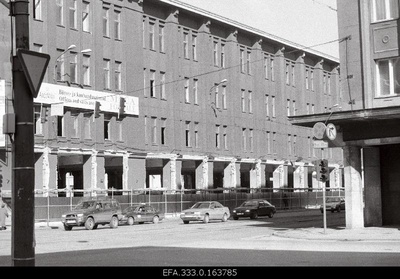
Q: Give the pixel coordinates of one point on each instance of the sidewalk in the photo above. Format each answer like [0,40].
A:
[344,234]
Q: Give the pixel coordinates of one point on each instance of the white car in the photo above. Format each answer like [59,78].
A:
[205,211]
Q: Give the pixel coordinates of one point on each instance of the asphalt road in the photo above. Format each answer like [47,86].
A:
[233,243]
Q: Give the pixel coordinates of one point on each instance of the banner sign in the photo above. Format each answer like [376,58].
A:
[85,99]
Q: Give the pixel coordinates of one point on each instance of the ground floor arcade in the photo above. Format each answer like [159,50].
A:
[89,169]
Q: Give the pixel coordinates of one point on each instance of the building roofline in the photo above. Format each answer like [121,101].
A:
[249,29]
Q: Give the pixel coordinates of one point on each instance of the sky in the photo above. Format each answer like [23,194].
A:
[304,22]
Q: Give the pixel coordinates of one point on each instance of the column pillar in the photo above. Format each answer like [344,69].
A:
[134,173]
[372,187]
[353,187]
[94,172]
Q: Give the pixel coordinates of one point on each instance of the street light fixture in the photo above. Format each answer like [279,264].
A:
[331,109]
[68,49]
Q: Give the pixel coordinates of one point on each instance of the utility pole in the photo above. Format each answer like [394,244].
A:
[23,210]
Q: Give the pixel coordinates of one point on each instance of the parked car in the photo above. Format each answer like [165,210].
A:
[138,214]
[205,211]
[254,208]
[93,212]
[333,204]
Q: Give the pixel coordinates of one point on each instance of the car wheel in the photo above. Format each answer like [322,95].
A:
[225,218]
[254,215]
[114,222]
[271,214]
[156,219]
[89,224]
[130,221]
[235,218]
[67,228]
[332,210]
[206,219]
[338,209]
[186,222]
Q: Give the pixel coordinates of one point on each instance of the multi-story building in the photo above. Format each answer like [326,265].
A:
[369,122]
[206,99]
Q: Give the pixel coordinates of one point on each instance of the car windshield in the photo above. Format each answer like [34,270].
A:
[85,205]
[250,203]
[201,205]
[332,199]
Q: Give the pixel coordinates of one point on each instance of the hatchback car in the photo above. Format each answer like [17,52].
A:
[254,208]
[138,214]
[205,211]
[333,204]
[93,212]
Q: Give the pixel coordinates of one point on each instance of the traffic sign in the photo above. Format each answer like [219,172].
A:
[34,65]
[331,131]
[319,130]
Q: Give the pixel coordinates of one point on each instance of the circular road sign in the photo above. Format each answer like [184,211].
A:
[319,130]
[331,131]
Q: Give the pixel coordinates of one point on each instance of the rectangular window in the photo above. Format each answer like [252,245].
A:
[75,117]
[106,22]
[37,12]
[244,139]
[151,35]
[86,16]
[289,144]
[312,80]
[86,123]
[186,90]
[272,67]
[294,107]
[268,142]
[152,83]
[186,45]
[307,79]
[154,130]
[163,94]
[243,101]
[196,135]
[267,105]
[86,69]
[388,77]
[288,107]
[187,134]
[60,126]
[250,102]
[217,137]
[274,142]
[385,9]
[251,140]
[163,131]
[118,76]
[106,74]
[72,14]
[107,128]
[161,38]
[215,53]
[195,91]
[120,131]
[293,68]
[224,102]
[273,106]
[117,24]
[60,66]
[248,62]
[60,12]
[287,73]
[73,67]
[222,55]
[225,137]
[266,67]
[242,61]
[216,96]
[194,47]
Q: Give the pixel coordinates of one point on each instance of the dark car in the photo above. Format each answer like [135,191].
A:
[93,212]
[333,204]
[141,213]
[254,208]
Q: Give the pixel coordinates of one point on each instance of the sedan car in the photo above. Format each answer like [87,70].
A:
[254,208]
[333,204]
[205,211]
[141,213]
